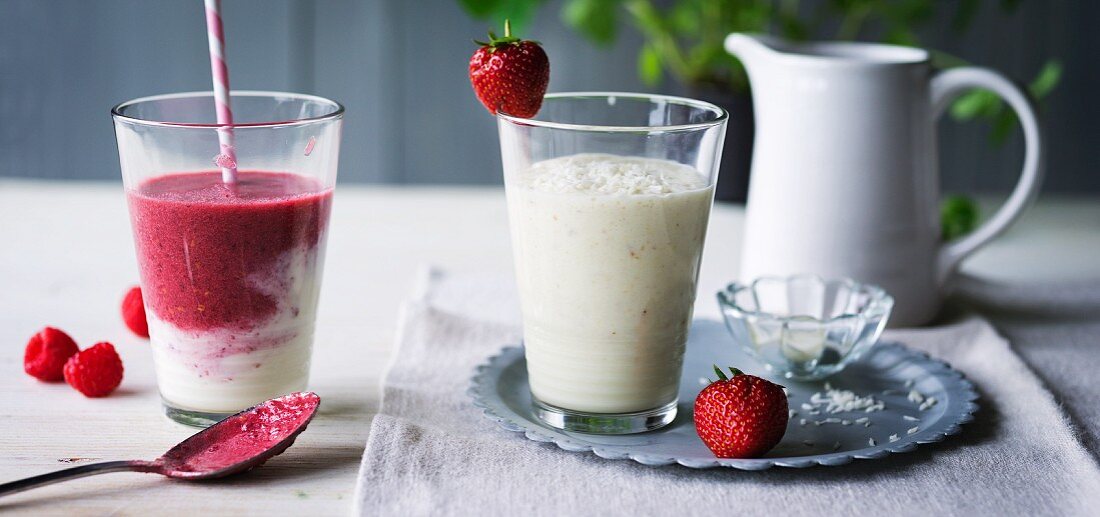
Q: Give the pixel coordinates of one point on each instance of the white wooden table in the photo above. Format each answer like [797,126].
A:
[66,258]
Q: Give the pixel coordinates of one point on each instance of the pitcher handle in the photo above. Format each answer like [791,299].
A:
[948,84]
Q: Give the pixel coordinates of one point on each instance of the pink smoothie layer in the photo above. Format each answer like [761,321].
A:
[214,256]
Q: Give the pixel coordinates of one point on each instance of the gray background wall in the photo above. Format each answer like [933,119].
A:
[400,68]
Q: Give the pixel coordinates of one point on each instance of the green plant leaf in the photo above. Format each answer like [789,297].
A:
[684,18]
[987,105]
[701,58]
[595,19]
[968,105]
[900,35]
[647,17]
[751,17]
[942,60]
[1049,77]
[793,28]
[519,12]
[649,65]
[958,217]
[481,8]
[1003,124]
[975,104]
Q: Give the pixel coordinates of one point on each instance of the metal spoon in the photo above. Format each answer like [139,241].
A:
[235,444]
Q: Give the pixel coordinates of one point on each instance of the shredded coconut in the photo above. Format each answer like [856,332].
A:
[833,401]
[608,174]
[915,397]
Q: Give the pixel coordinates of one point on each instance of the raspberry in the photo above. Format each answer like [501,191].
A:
[95,372]
[133,312]
[46,354]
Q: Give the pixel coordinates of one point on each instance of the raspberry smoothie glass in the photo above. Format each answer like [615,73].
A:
[230,271]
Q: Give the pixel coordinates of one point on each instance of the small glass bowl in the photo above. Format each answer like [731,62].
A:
[805,327]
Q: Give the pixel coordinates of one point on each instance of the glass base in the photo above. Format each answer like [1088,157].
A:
[193,418]
[604,423]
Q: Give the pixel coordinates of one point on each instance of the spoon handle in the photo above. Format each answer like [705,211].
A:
[74,473]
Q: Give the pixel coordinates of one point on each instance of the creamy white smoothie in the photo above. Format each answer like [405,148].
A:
[607,252]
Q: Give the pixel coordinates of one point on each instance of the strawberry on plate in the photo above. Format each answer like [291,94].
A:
[742,416]
[509,74]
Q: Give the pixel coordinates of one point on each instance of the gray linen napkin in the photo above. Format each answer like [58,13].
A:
[1055,328]
[431,452]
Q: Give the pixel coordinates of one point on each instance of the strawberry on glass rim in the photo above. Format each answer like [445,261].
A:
[741,416]
[510,74]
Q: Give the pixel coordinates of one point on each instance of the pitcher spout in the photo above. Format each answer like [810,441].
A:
[751,49]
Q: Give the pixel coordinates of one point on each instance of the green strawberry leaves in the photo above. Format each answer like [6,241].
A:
[497,42]
[722,376]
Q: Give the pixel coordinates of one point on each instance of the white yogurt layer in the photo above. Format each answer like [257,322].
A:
[189,378]
[227,370]
[607,253]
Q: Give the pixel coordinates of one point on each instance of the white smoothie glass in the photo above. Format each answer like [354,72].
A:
[609,195]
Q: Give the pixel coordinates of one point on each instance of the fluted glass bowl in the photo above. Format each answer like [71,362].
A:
[805,327]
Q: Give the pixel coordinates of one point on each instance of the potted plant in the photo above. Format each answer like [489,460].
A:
[683,40]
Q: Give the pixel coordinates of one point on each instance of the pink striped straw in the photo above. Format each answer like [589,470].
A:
[219,72]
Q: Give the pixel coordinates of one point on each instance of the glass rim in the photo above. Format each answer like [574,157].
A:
[336,113]
[721,115]
[880,299]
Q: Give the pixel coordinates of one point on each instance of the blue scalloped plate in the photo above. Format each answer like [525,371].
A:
[889,371]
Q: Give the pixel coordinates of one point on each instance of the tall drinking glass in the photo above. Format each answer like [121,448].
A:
[230,271]
[608,198]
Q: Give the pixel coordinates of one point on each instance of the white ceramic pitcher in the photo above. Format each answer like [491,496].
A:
[844,170]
